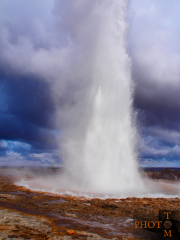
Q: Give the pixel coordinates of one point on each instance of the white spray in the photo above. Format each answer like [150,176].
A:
[99,146]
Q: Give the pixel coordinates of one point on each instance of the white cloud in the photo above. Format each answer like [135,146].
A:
[154,38]
[14,155]
[25,27]
[160,144]
[160,163]
[41,155]
[12,158]
[33,41]
[3,144]
[163,134]
[18,145]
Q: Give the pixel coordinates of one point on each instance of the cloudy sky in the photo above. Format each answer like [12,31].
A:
[34,41]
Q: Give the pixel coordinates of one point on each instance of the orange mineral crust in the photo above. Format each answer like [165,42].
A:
[25,214]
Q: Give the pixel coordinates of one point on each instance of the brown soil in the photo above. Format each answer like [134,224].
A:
[25,214]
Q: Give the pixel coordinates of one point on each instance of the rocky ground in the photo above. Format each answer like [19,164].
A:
[25,214]
[172,174]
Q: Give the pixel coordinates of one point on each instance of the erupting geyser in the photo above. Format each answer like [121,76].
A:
[93,92]
[99,148]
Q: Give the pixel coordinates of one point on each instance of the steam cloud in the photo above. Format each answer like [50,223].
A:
[98,141]
[68,48]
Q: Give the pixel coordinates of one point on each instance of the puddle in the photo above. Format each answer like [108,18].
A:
[106,225]
[54,201]
[21,193]
[87,204]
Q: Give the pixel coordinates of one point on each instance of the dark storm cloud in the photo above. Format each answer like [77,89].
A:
[153,45]
[37,53]
[27,113]
[160,106]
[26,102]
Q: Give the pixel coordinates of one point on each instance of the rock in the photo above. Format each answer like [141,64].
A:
[70,232]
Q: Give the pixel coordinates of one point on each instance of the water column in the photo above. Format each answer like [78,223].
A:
[107,159]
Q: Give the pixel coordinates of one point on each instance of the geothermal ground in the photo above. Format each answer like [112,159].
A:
[25,214]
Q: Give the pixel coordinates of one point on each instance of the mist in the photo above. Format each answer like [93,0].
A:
[88,56]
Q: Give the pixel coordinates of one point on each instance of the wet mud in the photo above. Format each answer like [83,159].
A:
[25,214]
